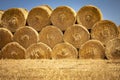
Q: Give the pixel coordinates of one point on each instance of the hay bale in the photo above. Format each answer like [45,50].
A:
[47,7]
[104,31]
[76,35]
[64,51]
[63,17]
[13,50]
[5,37]
[51,35]
[26,36]
[88,16]
[39,17]
[119,31]
[92,49]
[0,54]
[14,18]
[112,50]
[38,51]
[1,13]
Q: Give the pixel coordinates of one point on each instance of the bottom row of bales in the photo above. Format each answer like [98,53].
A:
[92,49]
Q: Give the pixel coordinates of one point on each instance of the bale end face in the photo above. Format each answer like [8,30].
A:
[14,18]
[104,31]
[5,37]
[13,50]
[38,51]
[51,35]
[88,16]
[26,36]
[63,17]
[64,51]
[112,49]
[39,17]
[92,49]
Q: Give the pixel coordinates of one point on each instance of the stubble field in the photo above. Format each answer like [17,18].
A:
[59,69]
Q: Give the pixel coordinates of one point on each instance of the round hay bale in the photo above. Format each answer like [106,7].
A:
[76,35]
[14,18]
[0,54]
[13,50]
[51,36]
[39,17]
[104,31]
[47,7]
[112,50]
[63,17]
[26,36]
[64,51]
[1,13]
[38,51]
[92,49]
[119,31]
[5,37]
[88,16]
[1,25]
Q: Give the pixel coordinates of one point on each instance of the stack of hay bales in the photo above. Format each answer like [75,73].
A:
[43,33]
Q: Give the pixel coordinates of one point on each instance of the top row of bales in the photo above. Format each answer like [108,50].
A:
[41,16]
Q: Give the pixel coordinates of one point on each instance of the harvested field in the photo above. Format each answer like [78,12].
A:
[59,69]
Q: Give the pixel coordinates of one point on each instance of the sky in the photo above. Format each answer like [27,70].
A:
[110,8]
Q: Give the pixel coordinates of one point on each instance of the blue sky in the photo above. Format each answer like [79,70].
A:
[110,8]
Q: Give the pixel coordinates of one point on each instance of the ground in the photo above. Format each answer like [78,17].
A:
[59,69]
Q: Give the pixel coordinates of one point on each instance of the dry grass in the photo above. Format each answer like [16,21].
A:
[59,70]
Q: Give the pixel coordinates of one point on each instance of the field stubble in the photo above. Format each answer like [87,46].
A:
[59,69]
